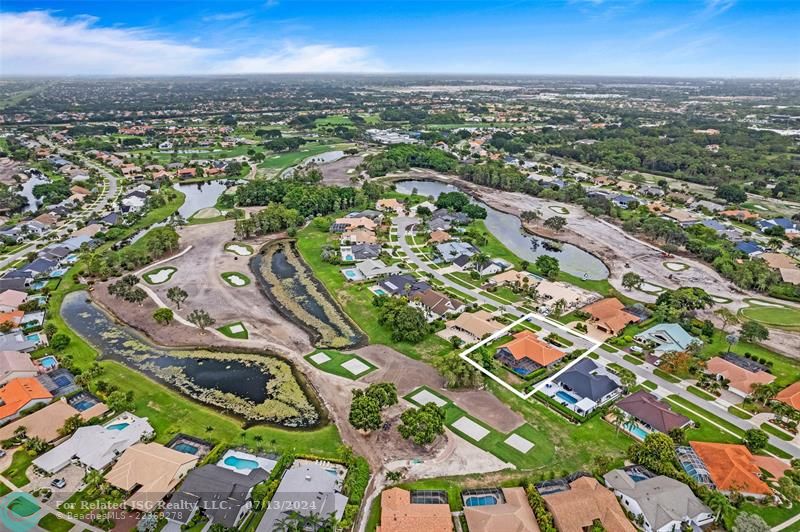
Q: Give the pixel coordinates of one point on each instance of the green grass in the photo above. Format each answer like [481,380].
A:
[334,365]
[356,299]
[772,514]
[452,488]
[229,276]
[226,330]
[776,316]
[633,360]
[374,516]
[702,394]
[4,490]
[738,412]
[649,385]
[53,523]
[147,275]
[666,376]
[19,465]
[281,161]
[775,431]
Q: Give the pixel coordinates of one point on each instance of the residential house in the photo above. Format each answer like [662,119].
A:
[472,326]
[402,512]
[454,218]
[39,267]
[438,237]
[12,299]
[370,269]
[437,225]
[666,338]
[510,513]
[492,266]
[437,305]
[36,227]
[742,215]
[650,414]
[403,285]
[341,225]
[751,249]
[740,376]
[587,387]
[550,292]
[789,227]
[390,204]
[223,495]
[585,501]
[17,341]
[527,352]
[449,251]
[46,422]
[96,446]
[49,220]
[624,201]
[359,236]
[14,318]
[732,468]
[359,252]
[55,253]
[515,278]
[134,201]
[186,173]
[148,472]
[609,315]
[307,487]
[708,205]
[652,191]
[15,283]
[790,395]
[663,503]
[16,365]
[112,218]
[20,394]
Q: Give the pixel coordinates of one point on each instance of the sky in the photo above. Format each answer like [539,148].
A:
[677,38]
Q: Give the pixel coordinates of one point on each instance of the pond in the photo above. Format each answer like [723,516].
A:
[199,195]
[27,191]
[290,285]
[256,387]
[507,228]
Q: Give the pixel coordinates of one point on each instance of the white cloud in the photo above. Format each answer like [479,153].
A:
[39,43]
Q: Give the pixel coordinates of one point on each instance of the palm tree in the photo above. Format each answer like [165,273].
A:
[719,504]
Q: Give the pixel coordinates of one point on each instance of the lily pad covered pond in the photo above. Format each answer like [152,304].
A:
[258,388]
[288,281]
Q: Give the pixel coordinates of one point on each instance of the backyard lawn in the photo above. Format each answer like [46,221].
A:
[19,465]
[786,371]
[53,523]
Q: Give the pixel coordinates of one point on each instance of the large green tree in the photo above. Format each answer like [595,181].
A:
[422,425]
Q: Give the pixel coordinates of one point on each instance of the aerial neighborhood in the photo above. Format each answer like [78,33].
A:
[400,304]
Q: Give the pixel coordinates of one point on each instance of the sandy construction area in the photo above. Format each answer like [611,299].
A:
[199,274]
[339,172]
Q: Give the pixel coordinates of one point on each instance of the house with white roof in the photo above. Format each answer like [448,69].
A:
[666,338]
[96,446]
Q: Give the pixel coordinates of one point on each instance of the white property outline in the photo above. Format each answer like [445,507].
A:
[507,328]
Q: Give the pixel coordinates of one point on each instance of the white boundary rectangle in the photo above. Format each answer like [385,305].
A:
[507,328]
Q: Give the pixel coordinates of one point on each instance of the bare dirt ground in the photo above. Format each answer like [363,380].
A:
[8,169]
[339,172]
[198,272]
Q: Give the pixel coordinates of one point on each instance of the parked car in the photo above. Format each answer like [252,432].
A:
[2,453]
[59,483]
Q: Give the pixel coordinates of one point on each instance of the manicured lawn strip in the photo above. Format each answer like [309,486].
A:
[608,348]
[775,431]
[374,518]
[702,394]
[666,376]
[16,471]
[650,385]
[53,523]
[334,365]
[786,370]
[4,490]
[738,412]
[705,413]
[356,299]
[226,330]
[633,360]
[228,276]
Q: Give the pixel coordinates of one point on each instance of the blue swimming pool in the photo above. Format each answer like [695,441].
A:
[564,396]
[636,430]
[350,274]
[240,463]
[38,285]
[34,338]
[62,381]
[58,273]
[379,292]
[480,500]
[185,448]
[80,406]
[117,426]
[349,258]
[48,362]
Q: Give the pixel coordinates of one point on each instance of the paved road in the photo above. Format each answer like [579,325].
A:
[106,196]
[642,371]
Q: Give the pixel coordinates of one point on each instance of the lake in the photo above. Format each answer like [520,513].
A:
[256,387]
[27,191]
[199,195]
[507,228]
